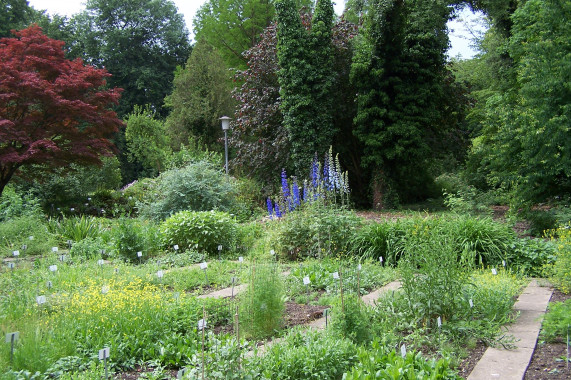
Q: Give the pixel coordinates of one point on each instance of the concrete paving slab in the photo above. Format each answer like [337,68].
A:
[370,298]
[511,364]
[226,292]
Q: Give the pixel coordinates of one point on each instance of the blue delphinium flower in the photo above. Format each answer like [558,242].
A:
[285,186]
[277,209]
[270,207]
[296,200]
[315,172]
[326,172]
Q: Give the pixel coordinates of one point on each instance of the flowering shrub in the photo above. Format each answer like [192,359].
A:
[561,269]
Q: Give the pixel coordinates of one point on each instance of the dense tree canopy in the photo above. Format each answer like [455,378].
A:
[14,14]
[140,42]
[53,111]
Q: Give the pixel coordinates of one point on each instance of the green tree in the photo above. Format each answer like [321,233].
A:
[306,79]
[202,94]
[233,26]
[146,139]
[14,14]
[400,74]
[140,42]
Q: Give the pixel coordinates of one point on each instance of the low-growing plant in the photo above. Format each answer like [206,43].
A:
[529,257]
[262,304]
[88,248]
[202,231]
[29,231]
[351,319]
[75,228]
[305,355]
[130,236]
[382,362]
[540,221]
[14,205]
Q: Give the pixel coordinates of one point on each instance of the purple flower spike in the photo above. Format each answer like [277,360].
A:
[278,213]
[296,200]
[270,207]
[285,186]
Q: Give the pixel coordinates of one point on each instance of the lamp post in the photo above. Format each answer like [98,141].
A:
[225,125]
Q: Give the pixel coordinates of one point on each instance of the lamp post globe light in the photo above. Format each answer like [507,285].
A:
[225,120]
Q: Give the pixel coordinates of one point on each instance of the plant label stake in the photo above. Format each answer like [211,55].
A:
[100,262]
[30,238]
[62,258]
[439,322]
[140,256]
[49,284]
[237,325]
[180,374]
[403,351]
[104,355]
[24,247]
[219,251]
[69,244]
[504,263]
[240,260]
[233,282]
[16,253]
[41,300]
[160,274]
[273,253]
[306,282]
[326,315]
[381,259]
[53,268]
[12,338]
[104,289]
[175,247]
[116,270]
[11,266]
[102,252]
[54,249]
[471,303]
[203,266]
[494,271]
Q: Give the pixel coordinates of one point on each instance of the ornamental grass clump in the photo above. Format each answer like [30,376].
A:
[262,304]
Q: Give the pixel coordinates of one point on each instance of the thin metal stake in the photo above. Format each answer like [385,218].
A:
[204,321]
[13,338]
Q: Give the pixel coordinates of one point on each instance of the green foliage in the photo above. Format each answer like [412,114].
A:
[87,248]
[203,231]
[316,230]
[146,139]
[306,79]
[201,95]
[262,304]
[130,236]
[198,186]
[222,359]
[555,326]
[380,361]
[16,232]
[13,205]
[540,221]
[529,257]
[14,14]
[560,271]
[75,228]
[306,355]
[351,318]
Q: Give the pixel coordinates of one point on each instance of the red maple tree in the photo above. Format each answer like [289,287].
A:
[53,111]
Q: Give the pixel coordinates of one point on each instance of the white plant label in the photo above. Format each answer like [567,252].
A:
[240,259]
[336,275]
[201,324]
[176,247]
[72,209]
[100,262]
[89,199]
[69,242]
[11,265]
[116,270]
[16,253]
[53,268]
[381,259]
[139,254]
[30,237]
[12,337]
[104,353]
[439,322]
[102,251]
[160,274]
[471,302]
[180,374]
[272,252]
[24,247]
[306,280]
[54,249]
[359,267]
[220,248]
[494,271]
[403,351]
[204,265]
[104,289]
[41,300]
[504,263]
[62,258]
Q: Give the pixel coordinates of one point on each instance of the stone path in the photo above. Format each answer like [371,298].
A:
[512,364]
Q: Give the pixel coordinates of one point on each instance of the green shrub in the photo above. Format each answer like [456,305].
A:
[14,205]
[560,272]
[351,319]
[197,187]
[556,322]
[540,221]
[530,256]
[130,236]
[203,231]
[305,355]
[16,232]
[87,248]
[262,304]
[316,230]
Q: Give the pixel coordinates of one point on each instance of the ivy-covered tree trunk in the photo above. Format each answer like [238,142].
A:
[306,79]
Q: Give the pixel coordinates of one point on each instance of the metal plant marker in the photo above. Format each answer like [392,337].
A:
[104,355]
[12,338]
[203,266]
